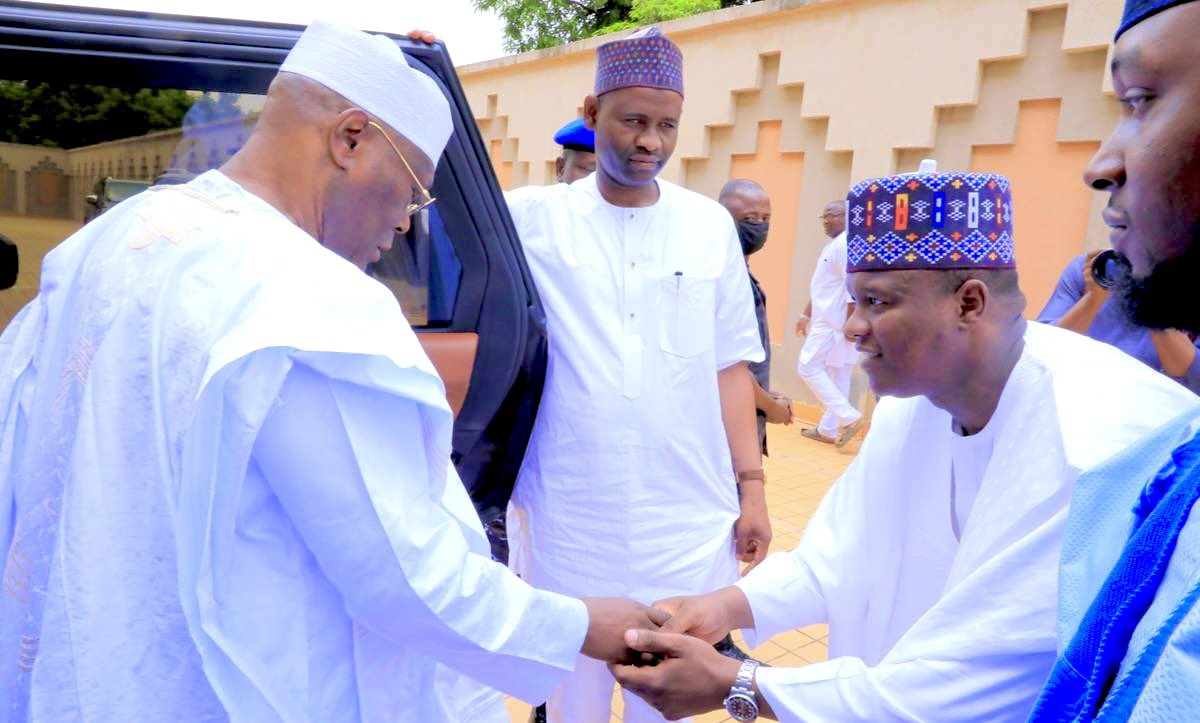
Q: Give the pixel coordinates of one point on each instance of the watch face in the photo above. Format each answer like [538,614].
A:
[741,707]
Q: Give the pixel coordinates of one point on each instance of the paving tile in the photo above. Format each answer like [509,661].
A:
[814,652]
[518,710]
[792,640]
[788,660]
[767,651]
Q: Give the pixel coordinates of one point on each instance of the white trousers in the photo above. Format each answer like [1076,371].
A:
[586,696]
[831,385]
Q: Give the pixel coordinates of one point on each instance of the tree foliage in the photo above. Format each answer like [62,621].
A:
[534,24]
[70,116]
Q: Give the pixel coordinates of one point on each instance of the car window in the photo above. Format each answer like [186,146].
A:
[422,270]
[69,153]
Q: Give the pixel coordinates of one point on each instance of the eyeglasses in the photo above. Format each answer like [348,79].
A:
[827,216]
[426,198]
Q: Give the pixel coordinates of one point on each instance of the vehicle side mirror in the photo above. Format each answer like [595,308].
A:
[92,199]
[8,263]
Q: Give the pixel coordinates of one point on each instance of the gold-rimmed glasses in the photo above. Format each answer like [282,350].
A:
[427,199]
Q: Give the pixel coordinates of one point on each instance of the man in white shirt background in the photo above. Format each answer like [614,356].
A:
[827,358]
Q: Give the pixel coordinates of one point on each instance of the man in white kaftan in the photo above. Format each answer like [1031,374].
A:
[225,489]
[628,487]
[934,557]
[827,358]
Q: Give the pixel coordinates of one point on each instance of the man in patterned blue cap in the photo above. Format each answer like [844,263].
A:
[1129,624]
[578,157]
[932,557]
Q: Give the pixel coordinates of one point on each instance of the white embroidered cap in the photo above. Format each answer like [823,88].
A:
[372,72]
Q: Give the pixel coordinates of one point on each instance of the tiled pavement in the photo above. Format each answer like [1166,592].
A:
[799,471]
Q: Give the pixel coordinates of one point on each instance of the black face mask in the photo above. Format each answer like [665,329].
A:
[752,235]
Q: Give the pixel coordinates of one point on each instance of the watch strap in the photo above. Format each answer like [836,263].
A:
[749,474]
[744,683]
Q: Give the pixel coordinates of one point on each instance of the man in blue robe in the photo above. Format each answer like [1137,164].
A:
[1129,625]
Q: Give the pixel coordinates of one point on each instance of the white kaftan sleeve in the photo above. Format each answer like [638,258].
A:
[522,202]
[737,336]
[349,466]
[793,589]
[981,652]
[927,689]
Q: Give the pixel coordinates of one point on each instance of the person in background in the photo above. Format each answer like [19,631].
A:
[827,358]
[1129,623]
[1081,304]
[750,207]
[578,158]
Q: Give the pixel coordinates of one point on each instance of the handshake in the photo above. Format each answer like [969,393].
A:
[664,654]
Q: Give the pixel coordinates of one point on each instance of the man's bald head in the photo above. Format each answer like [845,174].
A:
[740,186]
[746,201]
[833,217]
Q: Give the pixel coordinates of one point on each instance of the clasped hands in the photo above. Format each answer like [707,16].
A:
[664,654]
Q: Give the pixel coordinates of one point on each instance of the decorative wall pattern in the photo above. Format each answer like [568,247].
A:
[808,95]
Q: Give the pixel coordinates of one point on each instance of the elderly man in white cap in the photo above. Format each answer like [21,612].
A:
[225,489]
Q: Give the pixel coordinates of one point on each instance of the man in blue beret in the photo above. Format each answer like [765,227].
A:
[1129,626]
[578,157]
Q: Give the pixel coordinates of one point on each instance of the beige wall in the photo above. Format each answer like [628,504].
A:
[807,96]
[36,230]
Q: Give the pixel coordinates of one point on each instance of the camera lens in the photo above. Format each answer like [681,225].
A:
[1108,267]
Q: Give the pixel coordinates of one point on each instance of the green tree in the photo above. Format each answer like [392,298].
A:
[70,116]
[534,24]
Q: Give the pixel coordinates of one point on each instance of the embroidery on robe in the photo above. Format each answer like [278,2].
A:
[172,215]
[27,653]
[75,370]
[18,573]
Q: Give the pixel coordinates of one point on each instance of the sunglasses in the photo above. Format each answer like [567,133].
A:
[426,198]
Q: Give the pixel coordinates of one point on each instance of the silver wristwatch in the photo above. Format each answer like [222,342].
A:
[741,704]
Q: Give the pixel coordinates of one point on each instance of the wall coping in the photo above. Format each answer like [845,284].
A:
[680,26]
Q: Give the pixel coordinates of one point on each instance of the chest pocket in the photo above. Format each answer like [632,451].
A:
[687,315]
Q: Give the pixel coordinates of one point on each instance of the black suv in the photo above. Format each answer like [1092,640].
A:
[459,273]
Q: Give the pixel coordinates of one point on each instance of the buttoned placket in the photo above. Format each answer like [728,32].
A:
[633,226]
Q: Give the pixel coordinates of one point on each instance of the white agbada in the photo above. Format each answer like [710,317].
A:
[826,341]
[163,565]
[627,488]
[921,626]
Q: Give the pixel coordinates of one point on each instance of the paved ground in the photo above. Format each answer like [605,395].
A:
[33,237]
[799,472]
